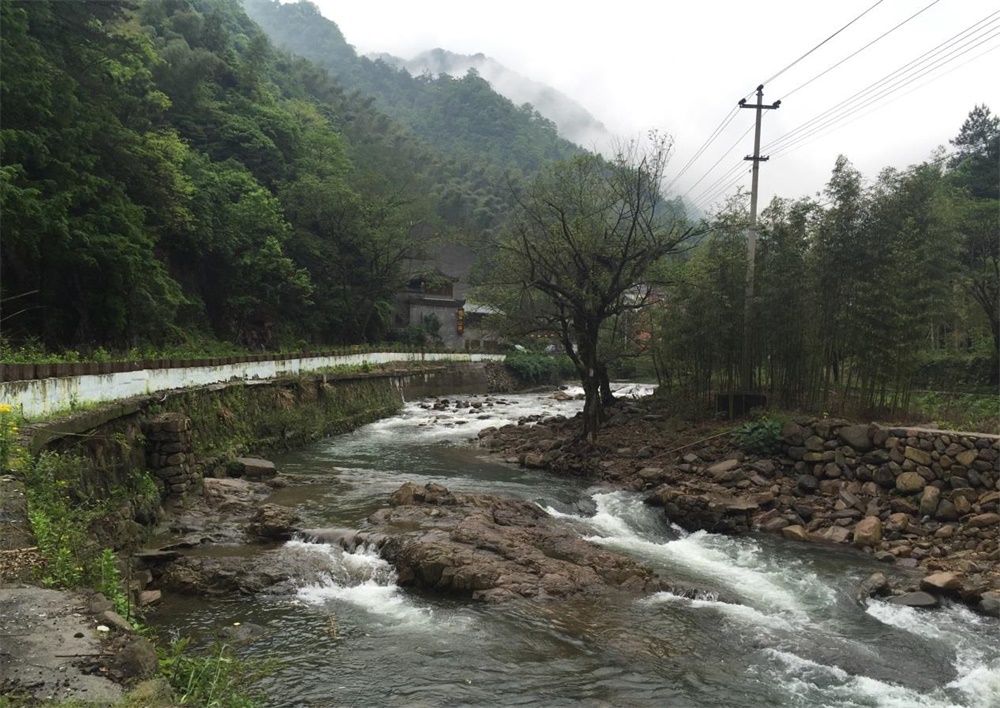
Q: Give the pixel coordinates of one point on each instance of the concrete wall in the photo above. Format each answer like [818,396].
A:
[41,397]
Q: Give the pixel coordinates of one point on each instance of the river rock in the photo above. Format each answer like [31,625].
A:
[983,521]
[941,583]
[910,482]
[137,660]
[921,457]
[795,533]
[868,532]
[875,584]
[273,522]
[856,436]
[898,522]
[929,501]
[946,511]
[914,599]
[807,484]
[989,603]
[834,534]
[966,457]
[255,468]
[493,549]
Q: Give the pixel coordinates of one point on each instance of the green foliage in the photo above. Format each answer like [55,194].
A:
[108,580]
[63,522]
[532,368]
[170,178]
[760,437]
[216,679]
[59,524]
[959,411]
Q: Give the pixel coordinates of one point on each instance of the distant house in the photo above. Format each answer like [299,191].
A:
[436,289]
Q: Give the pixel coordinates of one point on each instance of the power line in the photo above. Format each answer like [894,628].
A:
[877,85]
[845,109]
[710,169]
[705,202]
[712,188]
[816,136]
[851,56]
[732,114]
[768,81]
[704,146]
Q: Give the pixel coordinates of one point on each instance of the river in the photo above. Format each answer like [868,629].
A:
[790,633]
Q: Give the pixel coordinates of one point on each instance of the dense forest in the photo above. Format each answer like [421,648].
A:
[170,177]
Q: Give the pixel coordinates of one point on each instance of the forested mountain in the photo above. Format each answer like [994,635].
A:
[462,115]
[575,123]
[169,176]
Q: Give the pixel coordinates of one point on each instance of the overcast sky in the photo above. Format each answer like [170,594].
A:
[682,66]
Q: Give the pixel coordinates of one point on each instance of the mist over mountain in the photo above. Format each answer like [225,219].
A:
[575,123]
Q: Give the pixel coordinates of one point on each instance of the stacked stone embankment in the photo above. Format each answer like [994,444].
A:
[170,455]
[910,492]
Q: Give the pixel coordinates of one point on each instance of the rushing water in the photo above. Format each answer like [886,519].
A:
[780,625]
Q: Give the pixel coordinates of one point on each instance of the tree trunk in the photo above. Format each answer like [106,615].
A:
[607,397]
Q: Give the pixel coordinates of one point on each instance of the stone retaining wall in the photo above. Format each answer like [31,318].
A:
[960,468]
[170,455]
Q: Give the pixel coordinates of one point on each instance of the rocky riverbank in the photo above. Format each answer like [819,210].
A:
[917,499]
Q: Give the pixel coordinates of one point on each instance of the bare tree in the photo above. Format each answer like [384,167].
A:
[578,251]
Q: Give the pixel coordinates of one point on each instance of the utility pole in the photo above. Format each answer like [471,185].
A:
[756,158]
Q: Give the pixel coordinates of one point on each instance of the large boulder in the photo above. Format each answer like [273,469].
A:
[255,468]
[941,583]
[705,511]
[273,522]
[868,532]
[910,483]
[856,436]
[914,599]
[494,549]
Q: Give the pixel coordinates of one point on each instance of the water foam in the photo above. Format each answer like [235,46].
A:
[740,613]
[737,564]
[361,579]
[972,637]
[820,684]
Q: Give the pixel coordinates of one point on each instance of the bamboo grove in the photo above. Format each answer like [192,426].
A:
[857,289]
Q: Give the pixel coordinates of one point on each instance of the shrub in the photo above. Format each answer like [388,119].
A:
[760,437]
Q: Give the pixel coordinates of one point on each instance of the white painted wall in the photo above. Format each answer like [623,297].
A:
[42,397]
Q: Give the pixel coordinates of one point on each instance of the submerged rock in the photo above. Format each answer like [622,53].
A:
[914,599]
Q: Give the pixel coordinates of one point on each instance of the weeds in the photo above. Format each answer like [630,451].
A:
[218,679]
[12,455]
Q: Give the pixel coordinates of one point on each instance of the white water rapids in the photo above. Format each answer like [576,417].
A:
[777,623]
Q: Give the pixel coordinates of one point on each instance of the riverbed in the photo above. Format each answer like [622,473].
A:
[777,623]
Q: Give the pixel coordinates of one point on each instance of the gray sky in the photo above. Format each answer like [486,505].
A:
[681,67]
